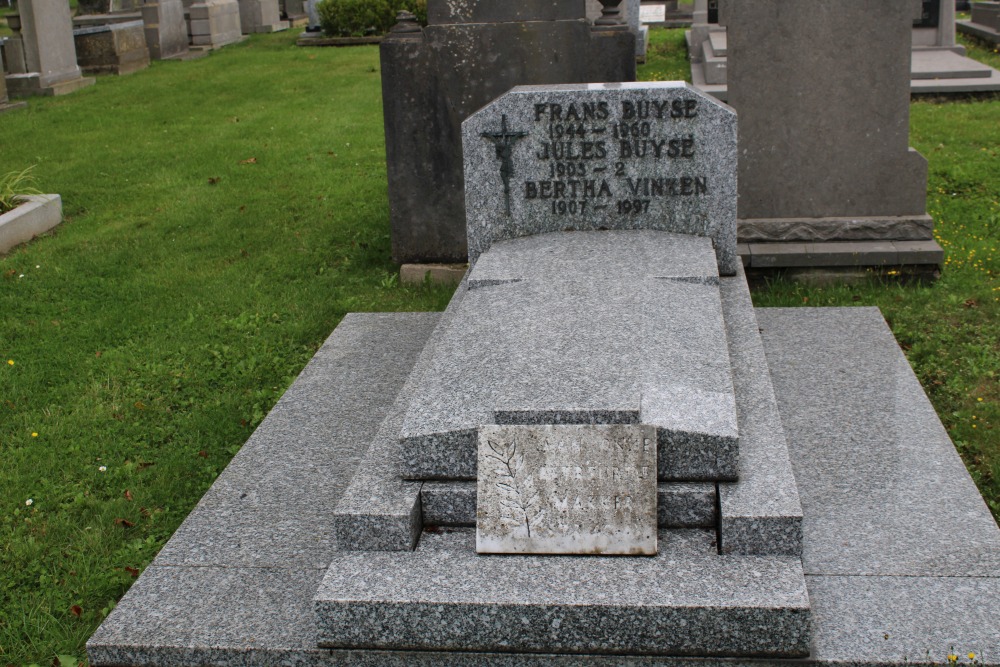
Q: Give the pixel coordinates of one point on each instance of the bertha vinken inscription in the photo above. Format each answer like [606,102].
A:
[567,489]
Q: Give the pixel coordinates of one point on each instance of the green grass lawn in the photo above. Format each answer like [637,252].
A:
[222,215]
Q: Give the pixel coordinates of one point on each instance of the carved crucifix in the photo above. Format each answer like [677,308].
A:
[504,143]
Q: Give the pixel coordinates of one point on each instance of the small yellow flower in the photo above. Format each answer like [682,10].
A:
[10,362]
[972,656]
[952,657]
[34,435]
[980,399]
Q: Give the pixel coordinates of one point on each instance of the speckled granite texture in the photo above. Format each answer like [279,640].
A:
[233,583]
[577,342]
[886,588]
[761,514]
[601,156]
[679,504]
[908,506]
[902,556]
[688,600]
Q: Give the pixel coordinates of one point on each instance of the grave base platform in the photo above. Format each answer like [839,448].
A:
[979,31]
[903,577]
[11,106]
[28,85]
[687,600]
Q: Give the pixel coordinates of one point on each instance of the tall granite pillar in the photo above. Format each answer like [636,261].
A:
[433,78]
[47,51]
[824,125]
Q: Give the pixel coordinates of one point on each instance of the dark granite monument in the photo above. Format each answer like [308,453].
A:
[434,77]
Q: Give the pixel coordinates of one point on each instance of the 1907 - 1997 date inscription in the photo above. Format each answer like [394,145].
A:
[586,162]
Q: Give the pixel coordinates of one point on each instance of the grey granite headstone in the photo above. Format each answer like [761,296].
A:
[567,489]
[658,156]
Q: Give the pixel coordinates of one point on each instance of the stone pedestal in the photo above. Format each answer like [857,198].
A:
[165,29]
[116,48]
[434,78]
[630,14]
[215,23]
[260,16]
[5,103]
[47,59]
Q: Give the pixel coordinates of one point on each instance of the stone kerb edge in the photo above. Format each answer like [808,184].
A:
[510,125]
[36,215]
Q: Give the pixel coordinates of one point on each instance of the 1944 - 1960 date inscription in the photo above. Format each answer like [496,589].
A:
[587,160]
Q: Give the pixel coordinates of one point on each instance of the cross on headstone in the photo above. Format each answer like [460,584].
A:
[504,142]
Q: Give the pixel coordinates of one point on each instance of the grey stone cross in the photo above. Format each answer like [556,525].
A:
[504,143]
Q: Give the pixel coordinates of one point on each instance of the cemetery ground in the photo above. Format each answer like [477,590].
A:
[221,217]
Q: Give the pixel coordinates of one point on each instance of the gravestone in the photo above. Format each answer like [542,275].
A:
[607,156]
[817,167]
[631,14]
[165,29]
[558,350]
[260,16]
[985,22]
[115,48]
[46,58]
[937,63]
[495,46]
[5,103]
[214,23]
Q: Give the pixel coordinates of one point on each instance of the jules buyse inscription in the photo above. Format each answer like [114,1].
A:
[601,157]
[558,484]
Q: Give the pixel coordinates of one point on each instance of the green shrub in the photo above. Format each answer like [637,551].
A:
[358,18]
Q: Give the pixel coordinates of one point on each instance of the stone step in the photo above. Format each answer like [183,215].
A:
[943,64]
[687,600]
[679,504]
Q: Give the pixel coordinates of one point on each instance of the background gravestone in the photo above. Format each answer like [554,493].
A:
[47,59]
[630,14]
[260,16]
[113,48]
[820,165]
[434,78]
[985,22]
[165,28]
[214,23]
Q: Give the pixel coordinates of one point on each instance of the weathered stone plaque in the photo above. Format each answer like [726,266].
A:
[567,489]
[658,156]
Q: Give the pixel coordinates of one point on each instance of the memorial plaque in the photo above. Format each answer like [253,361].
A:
[567,489]
[658,156]
[653,13]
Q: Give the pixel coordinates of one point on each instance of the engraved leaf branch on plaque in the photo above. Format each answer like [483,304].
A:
[520,501]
